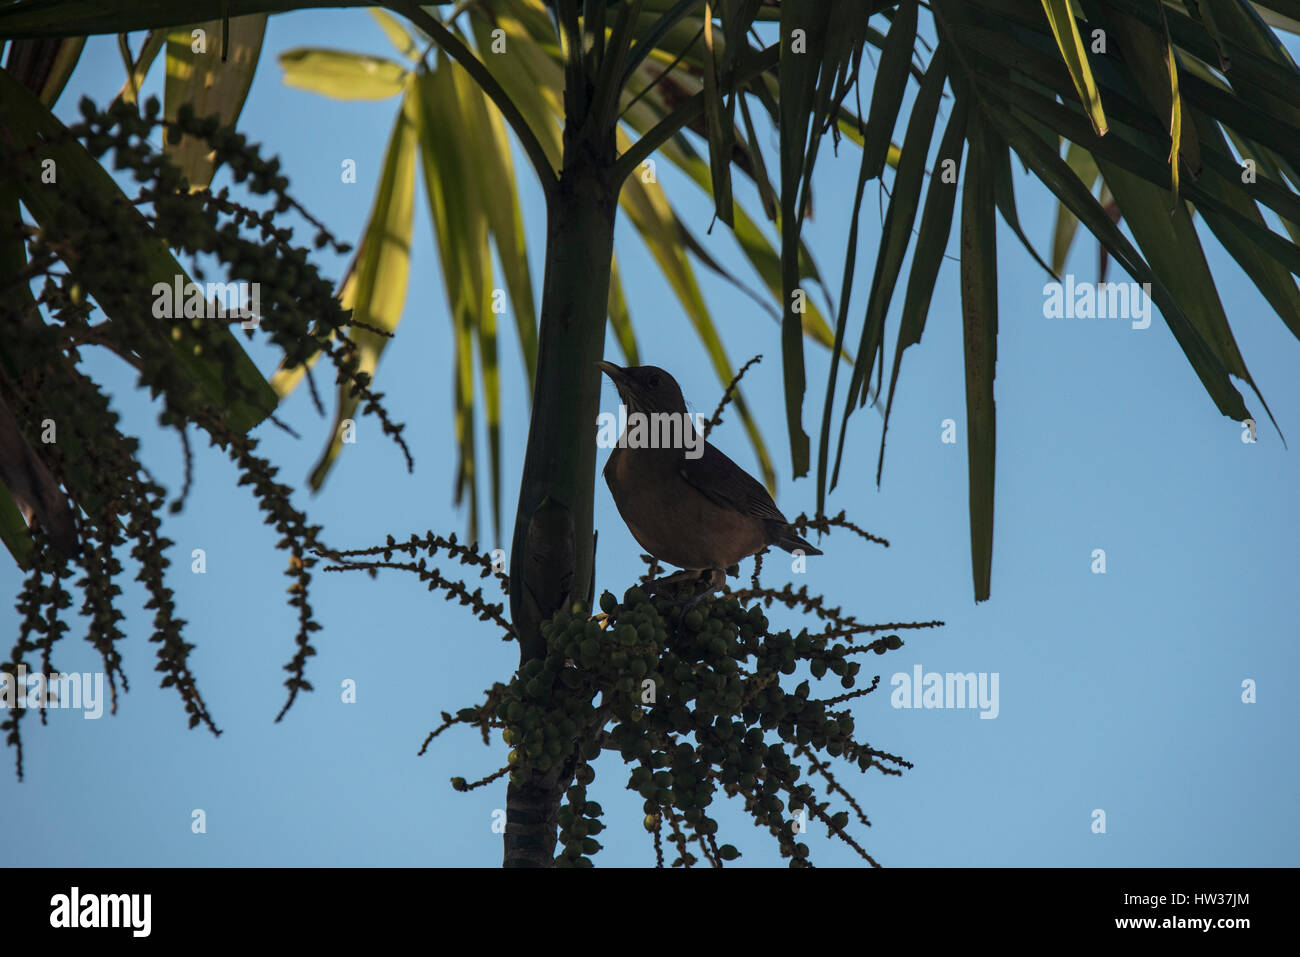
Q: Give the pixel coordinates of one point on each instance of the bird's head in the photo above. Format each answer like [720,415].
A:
[645,388]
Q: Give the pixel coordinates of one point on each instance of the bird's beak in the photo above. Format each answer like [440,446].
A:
[628,393]
[616,374]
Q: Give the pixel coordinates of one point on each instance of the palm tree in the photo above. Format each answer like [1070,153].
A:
[1164,110]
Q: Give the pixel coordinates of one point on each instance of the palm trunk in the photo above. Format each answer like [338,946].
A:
[553,551]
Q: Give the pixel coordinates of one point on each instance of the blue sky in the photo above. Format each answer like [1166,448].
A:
[1120,692]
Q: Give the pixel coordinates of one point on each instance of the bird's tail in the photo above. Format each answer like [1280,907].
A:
[783,536]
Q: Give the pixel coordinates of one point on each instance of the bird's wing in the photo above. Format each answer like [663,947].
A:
[725,483]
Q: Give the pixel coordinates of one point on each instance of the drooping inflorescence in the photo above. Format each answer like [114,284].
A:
[94,249]
[697,704]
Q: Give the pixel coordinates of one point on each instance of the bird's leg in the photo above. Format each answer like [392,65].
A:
[717,578]
[704,587]
[665,583]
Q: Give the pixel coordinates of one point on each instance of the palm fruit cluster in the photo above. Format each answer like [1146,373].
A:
[100,248]
[691,698]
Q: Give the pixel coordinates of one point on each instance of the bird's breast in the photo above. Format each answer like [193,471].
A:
[671,519]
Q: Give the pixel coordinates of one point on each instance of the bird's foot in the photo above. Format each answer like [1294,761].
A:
[665,585]
[705,586]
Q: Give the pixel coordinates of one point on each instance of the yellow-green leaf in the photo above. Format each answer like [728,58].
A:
[490,188]
[1081,161]
[1151,57]
[139,69]
[461,229]
[376,292]
[1075,54]
[209,66]
[396,33]
[753,243]
[492,175]
[341,74]
[532,80]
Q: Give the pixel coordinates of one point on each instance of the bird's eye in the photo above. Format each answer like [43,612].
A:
[653,382]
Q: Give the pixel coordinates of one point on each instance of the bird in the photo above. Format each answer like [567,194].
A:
[687,504]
